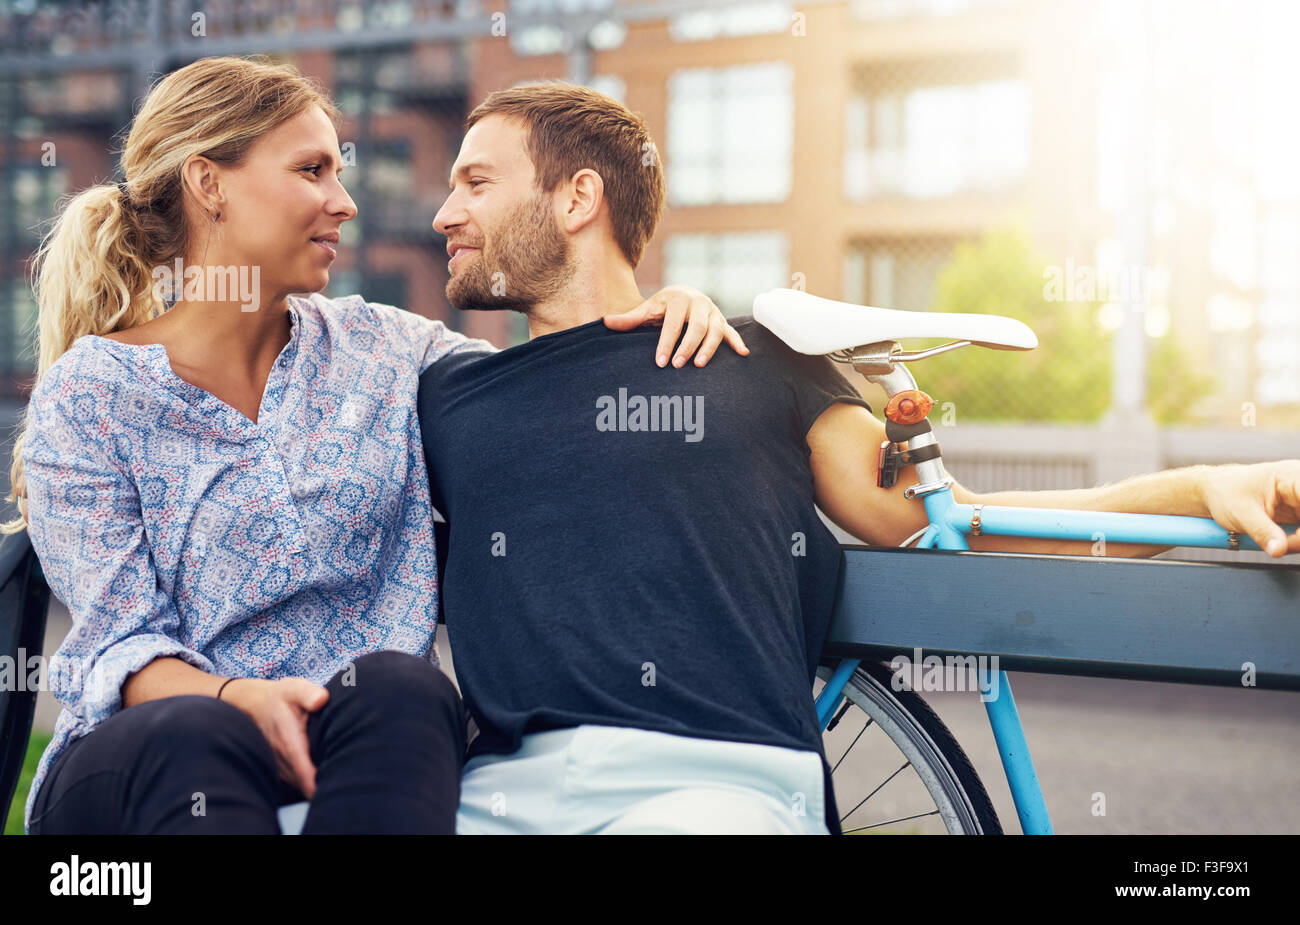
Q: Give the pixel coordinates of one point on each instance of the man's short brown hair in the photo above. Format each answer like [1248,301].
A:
[571,127]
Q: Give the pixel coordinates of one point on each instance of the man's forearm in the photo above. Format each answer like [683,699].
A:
[1172,491]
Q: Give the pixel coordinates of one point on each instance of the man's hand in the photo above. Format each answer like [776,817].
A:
[673,307]
[1254,499]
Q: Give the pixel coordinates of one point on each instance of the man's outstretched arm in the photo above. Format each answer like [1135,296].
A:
[1249,499]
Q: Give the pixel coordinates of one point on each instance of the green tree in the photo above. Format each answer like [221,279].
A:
[1175,387]
[1066,378]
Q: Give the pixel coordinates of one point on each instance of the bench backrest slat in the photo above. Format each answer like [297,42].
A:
[1144,619]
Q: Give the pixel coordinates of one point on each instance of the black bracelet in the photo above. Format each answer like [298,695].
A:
[223,686]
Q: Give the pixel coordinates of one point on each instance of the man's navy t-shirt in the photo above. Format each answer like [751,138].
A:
[629,545]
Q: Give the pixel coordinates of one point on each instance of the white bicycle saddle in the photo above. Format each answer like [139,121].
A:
[811,324]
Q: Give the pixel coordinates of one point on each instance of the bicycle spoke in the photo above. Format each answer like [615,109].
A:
[874,792]
[851,744]
[876,825]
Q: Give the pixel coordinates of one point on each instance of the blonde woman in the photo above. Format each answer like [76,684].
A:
[230,494]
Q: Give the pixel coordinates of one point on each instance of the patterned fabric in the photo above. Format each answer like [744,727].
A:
[172,525]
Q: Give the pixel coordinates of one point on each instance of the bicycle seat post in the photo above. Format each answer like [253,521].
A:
[906,418]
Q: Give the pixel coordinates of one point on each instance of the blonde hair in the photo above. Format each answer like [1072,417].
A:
[93,272]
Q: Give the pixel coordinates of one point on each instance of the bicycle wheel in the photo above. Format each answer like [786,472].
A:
[876,735]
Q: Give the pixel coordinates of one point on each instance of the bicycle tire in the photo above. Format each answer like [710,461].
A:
[944,769]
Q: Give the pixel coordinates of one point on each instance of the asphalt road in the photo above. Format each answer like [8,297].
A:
[1164,758]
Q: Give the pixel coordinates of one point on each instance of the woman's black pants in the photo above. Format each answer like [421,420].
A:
[388,747]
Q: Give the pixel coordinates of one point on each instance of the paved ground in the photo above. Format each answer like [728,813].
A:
[1169,758]
[1172,758]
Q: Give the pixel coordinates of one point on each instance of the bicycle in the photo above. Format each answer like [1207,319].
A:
[868,339]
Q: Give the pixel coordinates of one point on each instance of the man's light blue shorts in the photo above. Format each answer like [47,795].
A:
[616,780]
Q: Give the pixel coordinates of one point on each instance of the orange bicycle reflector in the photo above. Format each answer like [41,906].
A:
[909,406]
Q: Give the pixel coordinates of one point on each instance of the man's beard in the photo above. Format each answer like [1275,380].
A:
[526,263]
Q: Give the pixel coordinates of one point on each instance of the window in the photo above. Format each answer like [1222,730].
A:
[344,283]
[1233,251]
[878,10]
[398,205]
[36,192]
[517,329]
[386,288]
[82,93]
[552,38]
[392,15]
[610,85]
[388,171]
[731,267]
[749,19]
[1279,310]
[370,81]
[1276,351]
[540,39]
[18,330]
[896,273]
[930,141]
[730,134]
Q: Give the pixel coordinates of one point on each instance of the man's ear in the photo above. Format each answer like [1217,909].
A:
[586,193]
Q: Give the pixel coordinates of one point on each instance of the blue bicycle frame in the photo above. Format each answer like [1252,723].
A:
[950,524]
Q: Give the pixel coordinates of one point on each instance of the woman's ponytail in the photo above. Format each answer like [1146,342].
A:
[91,275]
